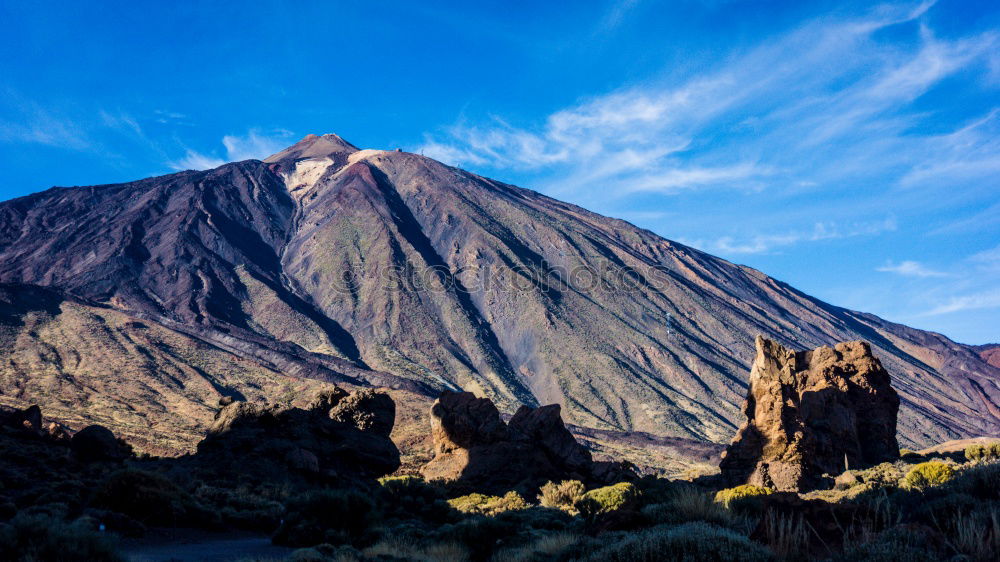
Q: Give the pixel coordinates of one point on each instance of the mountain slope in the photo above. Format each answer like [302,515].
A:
[390,268]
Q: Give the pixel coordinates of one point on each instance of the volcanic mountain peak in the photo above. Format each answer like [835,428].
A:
[313,146]
[306,162]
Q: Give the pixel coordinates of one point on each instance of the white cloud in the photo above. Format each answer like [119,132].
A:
[763,243]
[196,161]
[911,269]
[253,145]
[976,301]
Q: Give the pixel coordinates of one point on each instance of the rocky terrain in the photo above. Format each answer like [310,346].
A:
[139,305]
[275,482]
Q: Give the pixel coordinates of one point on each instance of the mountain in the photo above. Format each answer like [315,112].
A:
[326,263]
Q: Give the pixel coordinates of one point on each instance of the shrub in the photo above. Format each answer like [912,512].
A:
[689,504]
[546,547]
[981,481]
[564,495]
[31,538]
[327,516]
[929,474]
[151,499]
[488,505]
[478,534]
[975,535]
[608,498]
[975,452]
[983,453]
[690,542]
[242,507]
[729,495]
[408,497]
[895,545]
[399,549]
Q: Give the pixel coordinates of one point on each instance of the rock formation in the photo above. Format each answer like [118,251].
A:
[339,435]
[810,414]
[473,446]
[96,443]
[28,420]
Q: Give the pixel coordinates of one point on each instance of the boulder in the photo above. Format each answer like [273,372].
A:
[811,414]
[96,443]
[544,426]
[475,448]
[340,434]
[459,420]
[366,410]
[28,420]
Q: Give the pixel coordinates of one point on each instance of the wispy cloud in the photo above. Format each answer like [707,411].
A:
[253,145]
[828,108]
[31,122]
[763,243]
[911,269]
[978,301]
[196,161]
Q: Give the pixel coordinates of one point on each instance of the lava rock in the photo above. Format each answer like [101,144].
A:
[812,414]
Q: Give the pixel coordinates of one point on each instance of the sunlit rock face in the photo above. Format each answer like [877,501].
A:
[811,415]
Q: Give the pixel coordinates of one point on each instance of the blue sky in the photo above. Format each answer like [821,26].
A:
[850,150]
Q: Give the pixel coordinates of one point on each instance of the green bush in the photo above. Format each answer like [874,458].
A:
[729,495]
[151,499]
[564,495]
[409,497]
[981,482]
[929,474]
[328,516]
[38,538]
[983,453]
[488,505]
[975,452]
[690,542]
[608,498]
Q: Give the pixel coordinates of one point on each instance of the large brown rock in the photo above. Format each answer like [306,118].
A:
[474,447]
[96,443]
[810,414]
[338,436]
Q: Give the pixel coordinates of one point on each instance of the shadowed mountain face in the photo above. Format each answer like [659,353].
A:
[325,262]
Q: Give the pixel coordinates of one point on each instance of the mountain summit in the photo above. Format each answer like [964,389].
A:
[140,304]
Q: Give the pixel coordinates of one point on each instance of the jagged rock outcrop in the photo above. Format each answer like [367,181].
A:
[809,414]
[339,435]
[474,447]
